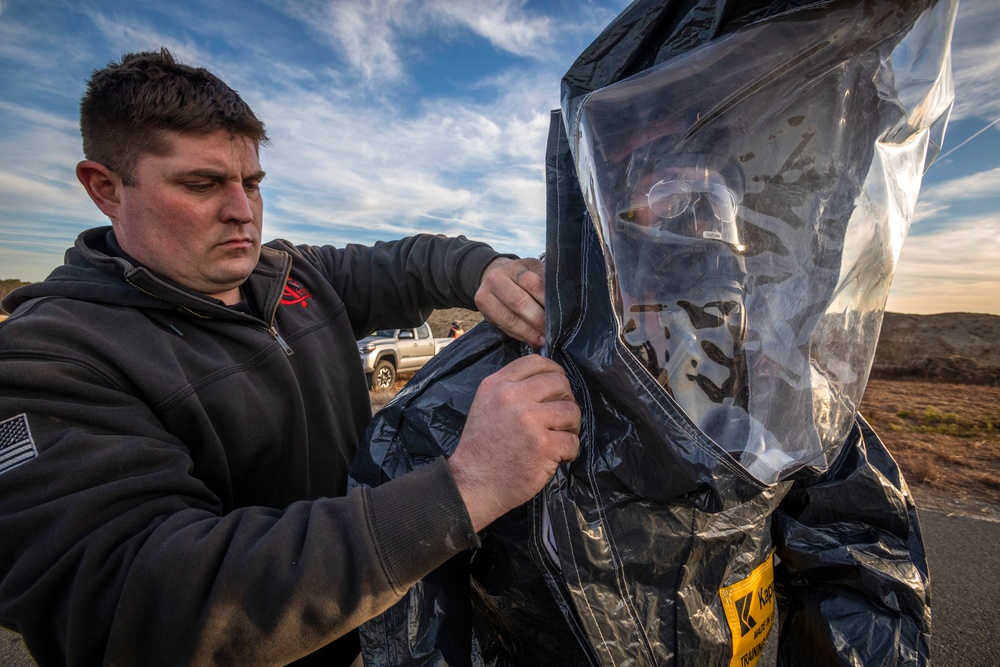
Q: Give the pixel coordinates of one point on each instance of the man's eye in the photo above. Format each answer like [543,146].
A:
[198,187]
[251,187]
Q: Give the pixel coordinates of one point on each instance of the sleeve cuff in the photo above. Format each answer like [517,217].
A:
[472,265]
[419,521]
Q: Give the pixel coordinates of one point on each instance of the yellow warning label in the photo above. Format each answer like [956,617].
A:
[749,607]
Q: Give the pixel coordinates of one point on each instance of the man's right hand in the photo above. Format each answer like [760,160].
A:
[522,424]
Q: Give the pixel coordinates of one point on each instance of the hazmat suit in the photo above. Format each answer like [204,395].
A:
[729,185]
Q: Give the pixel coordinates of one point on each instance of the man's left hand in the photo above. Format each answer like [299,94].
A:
[512,296]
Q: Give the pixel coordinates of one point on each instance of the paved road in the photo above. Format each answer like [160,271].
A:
[964,556]
[12,653]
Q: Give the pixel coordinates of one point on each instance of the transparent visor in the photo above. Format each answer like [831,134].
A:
[750,222]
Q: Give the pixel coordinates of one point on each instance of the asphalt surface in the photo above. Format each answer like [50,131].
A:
[12,652]
[964,557]
[963,554]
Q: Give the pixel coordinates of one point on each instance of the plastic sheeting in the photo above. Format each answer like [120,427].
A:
[672,539]
[823,140]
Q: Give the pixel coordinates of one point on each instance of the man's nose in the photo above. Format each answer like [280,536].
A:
[237,207]
[704,214]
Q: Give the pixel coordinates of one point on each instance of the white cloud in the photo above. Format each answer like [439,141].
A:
[30,194]
[18,42]
[342,166]
[976,60]
[504,23]
[129,36]
[18,113]
[38,179]
[350,161]
[367,34]
[974,186]
[951,270]
[382,40]
[929,210]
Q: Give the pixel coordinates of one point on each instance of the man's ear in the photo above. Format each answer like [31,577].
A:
[103,185]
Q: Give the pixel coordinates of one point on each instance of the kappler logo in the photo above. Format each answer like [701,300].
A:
[295,293]
[753,594]
[747,621]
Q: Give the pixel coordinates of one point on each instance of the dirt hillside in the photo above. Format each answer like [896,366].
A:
[952,347]
[440,320]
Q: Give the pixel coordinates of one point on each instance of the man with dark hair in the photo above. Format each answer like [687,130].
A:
[180,405]
[129,106]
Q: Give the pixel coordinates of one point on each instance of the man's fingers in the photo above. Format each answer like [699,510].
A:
[547,379]
[563,416]
[512,297]
[530,277]
[527,296]
[536,380]
[569,446]
[517,314]
[527,275]
[522,424]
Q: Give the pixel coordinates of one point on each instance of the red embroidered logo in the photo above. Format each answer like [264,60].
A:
[295,293]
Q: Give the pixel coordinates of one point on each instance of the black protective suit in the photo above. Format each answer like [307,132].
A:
[683,533]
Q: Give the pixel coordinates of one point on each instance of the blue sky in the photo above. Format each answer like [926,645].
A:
[390,117]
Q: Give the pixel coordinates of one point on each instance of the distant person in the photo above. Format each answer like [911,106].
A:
[456,330]
[180,405]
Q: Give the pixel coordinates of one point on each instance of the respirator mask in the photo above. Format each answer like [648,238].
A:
[678,255]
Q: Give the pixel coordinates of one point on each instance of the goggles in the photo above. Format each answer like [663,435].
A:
[670,198]
[687,210]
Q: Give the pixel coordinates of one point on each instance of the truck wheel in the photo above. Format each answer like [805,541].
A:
[384,376]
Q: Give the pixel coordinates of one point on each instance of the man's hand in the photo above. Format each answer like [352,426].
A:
[512,296]
[522,424]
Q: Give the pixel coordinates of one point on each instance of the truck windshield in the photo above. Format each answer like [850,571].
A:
[385,333]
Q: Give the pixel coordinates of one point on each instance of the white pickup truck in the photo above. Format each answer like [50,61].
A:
[388,351]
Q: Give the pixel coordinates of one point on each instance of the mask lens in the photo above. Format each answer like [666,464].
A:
[668,199]
[723,202]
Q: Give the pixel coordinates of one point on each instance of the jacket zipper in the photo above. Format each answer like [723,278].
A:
[270,329]
[281,341]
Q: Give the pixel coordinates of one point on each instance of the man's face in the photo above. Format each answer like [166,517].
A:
[195,214]
[681,281]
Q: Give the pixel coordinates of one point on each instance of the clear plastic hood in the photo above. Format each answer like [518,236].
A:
[752,203]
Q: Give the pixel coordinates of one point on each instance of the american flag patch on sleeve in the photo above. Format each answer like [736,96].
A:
[16,445]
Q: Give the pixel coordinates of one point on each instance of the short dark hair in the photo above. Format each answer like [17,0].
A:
[130,104]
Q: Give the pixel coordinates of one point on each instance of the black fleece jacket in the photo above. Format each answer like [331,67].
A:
[173,471]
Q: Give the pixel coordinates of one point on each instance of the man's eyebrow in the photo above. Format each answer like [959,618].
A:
[216,175]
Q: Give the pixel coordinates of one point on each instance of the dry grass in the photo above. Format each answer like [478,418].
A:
[380,398]
[946,437]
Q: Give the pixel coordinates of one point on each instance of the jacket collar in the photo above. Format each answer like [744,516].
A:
[96,269]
